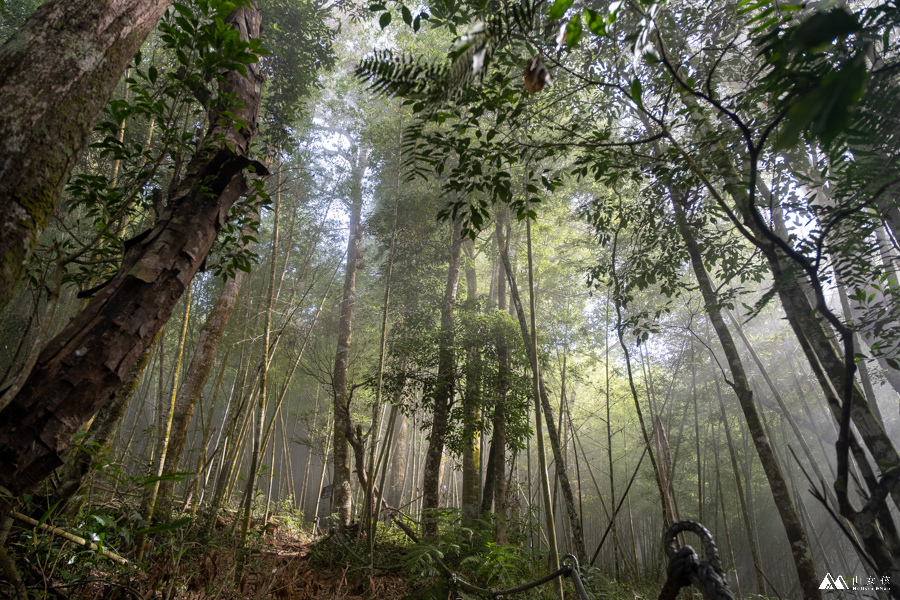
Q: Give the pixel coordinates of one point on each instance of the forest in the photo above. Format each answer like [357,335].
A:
[454,299]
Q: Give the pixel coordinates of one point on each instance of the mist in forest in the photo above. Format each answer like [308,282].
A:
[344,300]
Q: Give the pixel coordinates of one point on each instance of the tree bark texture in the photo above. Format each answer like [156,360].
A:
[57,73]
[100,434]
[790,519]
[443,392]
[86,364]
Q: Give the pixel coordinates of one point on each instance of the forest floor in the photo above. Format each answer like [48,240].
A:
[284,562]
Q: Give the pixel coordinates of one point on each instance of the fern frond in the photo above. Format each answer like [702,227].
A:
[435,84]
[396,75]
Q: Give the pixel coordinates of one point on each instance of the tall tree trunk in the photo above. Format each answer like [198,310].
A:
[232,421]
[609,450]
[471,401]
[697,436]
[73,52]
[538,427]
[443,391]
[782,408]
[721,494]
[468,247]
[833,369]
[399,459]
[790,519]
[372,506]
[498,440]
[85,365]
[857,340]
[568,496]
[301,497]
[341,500]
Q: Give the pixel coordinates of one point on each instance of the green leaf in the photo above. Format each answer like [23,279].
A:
[636,91]
[152,74]
[594,21]
[184,10]
[407,16]
[823,28]
[559,8]
[573,31]
[385,20]
[827,111]
[47,514]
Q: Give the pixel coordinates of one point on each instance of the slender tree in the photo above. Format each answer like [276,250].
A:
[341,500]
[443,390]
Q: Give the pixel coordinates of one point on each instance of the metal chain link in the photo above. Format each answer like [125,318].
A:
[686,568]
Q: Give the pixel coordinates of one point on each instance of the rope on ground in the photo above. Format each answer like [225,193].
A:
[569,569]
[685,567]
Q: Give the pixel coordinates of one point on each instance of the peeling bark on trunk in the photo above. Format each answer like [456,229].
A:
[87,363]
[443,393]
[58,72]
[101,433]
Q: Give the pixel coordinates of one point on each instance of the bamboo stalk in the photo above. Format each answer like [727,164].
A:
[161,461]
[69,536]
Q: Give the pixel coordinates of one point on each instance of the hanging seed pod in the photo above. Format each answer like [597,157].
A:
[536,76]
